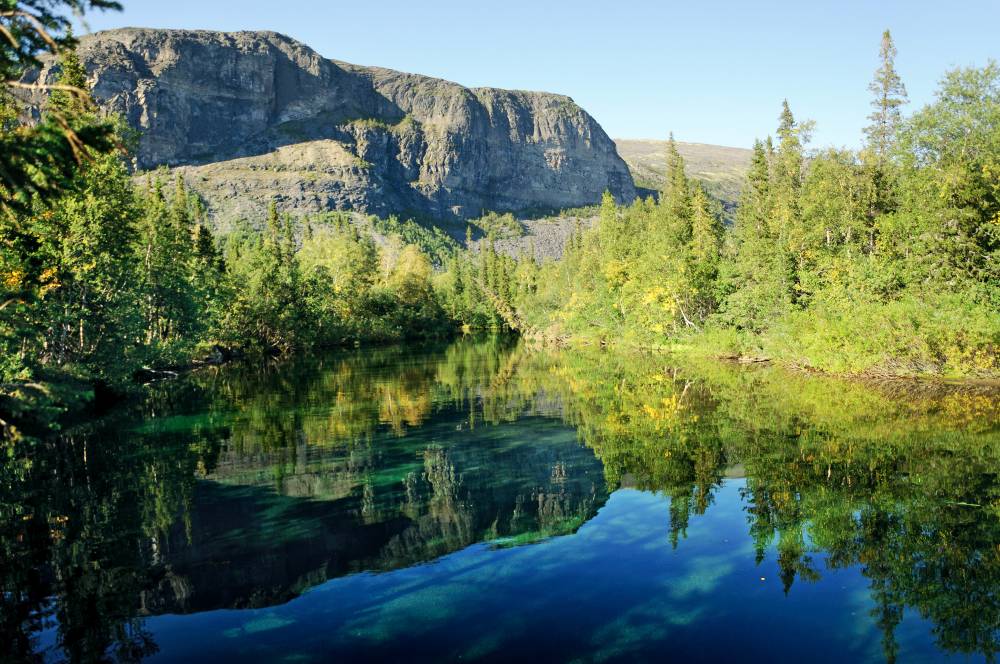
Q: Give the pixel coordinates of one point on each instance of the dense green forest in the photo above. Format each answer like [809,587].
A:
[881,261]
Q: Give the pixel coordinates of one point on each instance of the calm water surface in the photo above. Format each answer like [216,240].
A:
[481,501]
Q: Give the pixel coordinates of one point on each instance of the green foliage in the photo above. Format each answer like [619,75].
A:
[644,273]
[42,158]
[67,263]
[166,248]
[326,285]
[755,283]
[434,242]
[882,262]
[676,187]
[268,311]
[482,289]
[499,226]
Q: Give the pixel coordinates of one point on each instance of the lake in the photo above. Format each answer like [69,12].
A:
[486,501]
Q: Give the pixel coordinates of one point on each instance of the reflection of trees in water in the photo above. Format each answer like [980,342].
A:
[99,520]
[903,485]
[79,539]
[393,446]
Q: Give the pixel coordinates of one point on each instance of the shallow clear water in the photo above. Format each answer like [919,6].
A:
[486,501]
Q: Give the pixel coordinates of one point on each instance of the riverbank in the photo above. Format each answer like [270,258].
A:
[730,346]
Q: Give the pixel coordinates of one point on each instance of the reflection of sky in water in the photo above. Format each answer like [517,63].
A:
[616,589]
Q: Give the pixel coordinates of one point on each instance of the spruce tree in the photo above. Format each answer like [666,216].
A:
[167,246]
[179,207]
[71,75]
[786,190]
[754,281]
[676,194]
[889,95]
[755,202]
[704,251]
[787,173]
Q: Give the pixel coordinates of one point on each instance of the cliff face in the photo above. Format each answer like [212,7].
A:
[251,116]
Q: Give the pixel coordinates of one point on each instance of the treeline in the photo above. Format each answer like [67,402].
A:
[883,260]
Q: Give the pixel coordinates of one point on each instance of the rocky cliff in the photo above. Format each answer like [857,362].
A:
[251,116]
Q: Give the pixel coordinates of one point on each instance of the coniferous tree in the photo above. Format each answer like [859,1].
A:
[676,192]
[889,95]
[754,285]
[71,75]
[786,186]
[787,176]
[167,250]
[88,310]
[704,251]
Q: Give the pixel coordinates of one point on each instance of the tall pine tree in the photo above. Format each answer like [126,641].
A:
[889,94]
[676,193]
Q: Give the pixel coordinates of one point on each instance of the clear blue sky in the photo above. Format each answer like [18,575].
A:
[713,71]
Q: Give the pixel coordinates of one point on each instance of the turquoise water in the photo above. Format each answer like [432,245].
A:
[484,501]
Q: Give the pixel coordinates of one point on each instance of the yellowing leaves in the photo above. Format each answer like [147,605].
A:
[13,280]
[654,295]
[666,413]
[616,272]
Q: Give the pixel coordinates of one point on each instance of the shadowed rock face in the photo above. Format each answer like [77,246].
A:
[251,116]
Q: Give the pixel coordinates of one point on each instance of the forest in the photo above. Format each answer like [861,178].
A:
[881,261]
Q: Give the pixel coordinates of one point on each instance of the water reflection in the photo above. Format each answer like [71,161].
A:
[243,487]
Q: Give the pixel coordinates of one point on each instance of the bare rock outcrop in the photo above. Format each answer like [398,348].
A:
[251,116]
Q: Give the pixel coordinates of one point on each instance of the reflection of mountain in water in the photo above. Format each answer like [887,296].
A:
[382,505]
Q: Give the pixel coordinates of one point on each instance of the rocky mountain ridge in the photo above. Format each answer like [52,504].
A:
[248,117]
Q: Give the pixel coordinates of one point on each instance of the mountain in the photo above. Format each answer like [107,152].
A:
[251,116]
[721,169]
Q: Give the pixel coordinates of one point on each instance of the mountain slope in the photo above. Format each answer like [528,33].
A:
[252,116]
[720,168]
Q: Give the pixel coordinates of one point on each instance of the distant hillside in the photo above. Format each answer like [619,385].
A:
[720,168]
